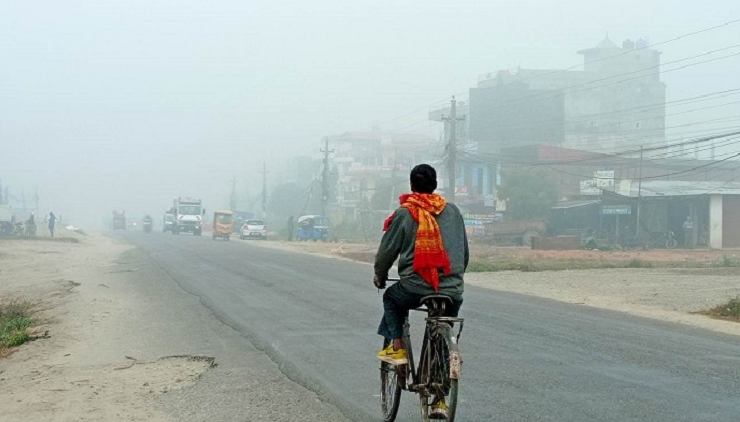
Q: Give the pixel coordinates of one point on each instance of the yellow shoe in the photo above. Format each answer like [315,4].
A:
[394,357]
[439,410]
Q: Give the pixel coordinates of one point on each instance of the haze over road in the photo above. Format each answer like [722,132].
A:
[526,359]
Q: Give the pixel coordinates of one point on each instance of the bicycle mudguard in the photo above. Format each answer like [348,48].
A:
[455,364]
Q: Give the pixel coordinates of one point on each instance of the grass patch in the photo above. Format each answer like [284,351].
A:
[15,318]
[726,261]
[728,311]
[534,265]
[639,263]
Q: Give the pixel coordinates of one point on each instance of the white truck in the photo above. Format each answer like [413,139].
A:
[188,215]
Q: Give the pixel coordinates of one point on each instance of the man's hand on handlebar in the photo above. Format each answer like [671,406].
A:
[379,282]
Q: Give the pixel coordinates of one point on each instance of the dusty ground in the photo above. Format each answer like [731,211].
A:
[75,372]
[668,294]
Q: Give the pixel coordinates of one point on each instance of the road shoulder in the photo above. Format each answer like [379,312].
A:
[124,342]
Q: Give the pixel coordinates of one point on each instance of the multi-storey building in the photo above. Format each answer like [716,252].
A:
[614,103]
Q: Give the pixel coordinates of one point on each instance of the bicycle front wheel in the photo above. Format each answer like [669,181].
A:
[439,372]
[390,388]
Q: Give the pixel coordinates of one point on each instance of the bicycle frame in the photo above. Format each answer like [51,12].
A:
[432,325]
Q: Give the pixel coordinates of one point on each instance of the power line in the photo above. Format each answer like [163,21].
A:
[552,94]
[636,49]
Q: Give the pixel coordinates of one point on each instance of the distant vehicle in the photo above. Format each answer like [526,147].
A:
[517,232]
[147,223]
[119,220]
[241,216]
[223,224]
[188,215]
[169,221]
[313,227]
[253,228]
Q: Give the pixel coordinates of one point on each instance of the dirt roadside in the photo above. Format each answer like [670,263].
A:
[122,342]
[75,374]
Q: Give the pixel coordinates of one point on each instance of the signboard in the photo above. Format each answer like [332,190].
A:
[588,187]
[616,209]
[475,223]
[604,179]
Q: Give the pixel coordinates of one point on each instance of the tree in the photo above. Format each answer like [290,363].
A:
[529,194]
[286,200]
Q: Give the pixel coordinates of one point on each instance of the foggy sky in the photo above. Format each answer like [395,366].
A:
[127,104]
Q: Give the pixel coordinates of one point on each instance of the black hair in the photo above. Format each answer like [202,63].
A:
[423,179]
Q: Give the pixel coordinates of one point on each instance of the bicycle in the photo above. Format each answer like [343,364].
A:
[439,368]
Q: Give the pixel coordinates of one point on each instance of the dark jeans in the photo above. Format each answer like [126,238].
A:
[397,300]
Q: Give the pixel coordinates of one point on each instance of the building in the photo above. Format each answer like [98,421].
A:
[616,101]
[365,161]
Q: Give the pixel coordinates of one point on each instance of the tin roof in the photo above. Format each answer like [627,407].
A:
[575,203]
[658,188]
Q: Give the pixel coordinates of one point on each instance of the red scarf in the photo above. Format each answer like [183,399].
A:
[429,251]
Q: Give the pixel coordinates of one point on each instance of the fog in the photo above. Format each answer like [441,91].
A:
[127,104]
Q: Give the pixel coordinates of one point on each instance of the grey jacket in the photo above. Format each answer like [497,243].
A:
[399,240]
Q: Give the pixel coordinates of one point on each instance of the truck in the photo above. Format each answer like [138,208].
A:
[514,232]
[119,220]
[188,214]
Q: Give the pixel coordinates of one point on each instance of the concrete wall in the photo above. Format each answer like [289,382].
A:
[715,221]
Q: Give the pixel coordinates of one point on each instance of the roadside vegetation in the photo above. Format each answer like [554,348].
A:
[15,319]
[528,264]
[728,311]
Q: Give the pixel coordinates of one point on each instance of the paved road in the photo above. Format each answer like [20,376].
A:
[526,359]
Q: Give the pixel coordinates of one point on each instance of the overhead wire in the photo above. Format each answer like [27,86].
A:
[633,50]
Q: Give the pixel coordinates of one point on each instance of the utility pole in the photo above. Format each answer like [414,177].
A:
[324,176]
[264,189]
[232,199]
[393,180]
[452,149]
[639,195]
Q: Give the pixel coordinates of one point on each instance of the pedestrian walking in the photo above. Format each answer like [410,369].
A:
[52,221]
[291,228]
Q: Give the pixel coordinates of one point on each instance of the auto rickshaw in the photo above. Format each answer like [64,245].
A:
[313,227]
[223,224]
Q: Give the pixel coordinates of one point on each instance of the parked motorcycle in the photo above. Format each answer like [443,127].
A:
[19,229]
[663,240]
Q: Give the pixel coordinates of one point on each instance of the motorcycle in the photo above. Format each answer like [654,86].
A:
[663,240]
[19,229]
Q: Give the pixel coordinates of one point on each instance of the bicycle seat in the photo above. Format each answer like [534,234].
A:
[436,302]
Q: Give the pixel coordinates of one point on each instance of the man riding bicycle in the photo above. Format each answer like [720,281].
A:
[428,237]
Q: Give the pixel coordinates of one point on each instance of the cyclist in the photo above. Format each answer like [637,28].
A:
[427,235]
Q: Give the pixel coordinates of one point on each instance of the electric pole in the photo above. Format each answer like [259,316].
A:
[324,176]
[264,189]
[452,149]
[232,200]
[393,180]
[639,195]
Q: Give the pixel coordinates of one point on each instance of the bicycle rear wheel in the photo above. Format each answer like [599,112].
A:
[435,373]
[390,388]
